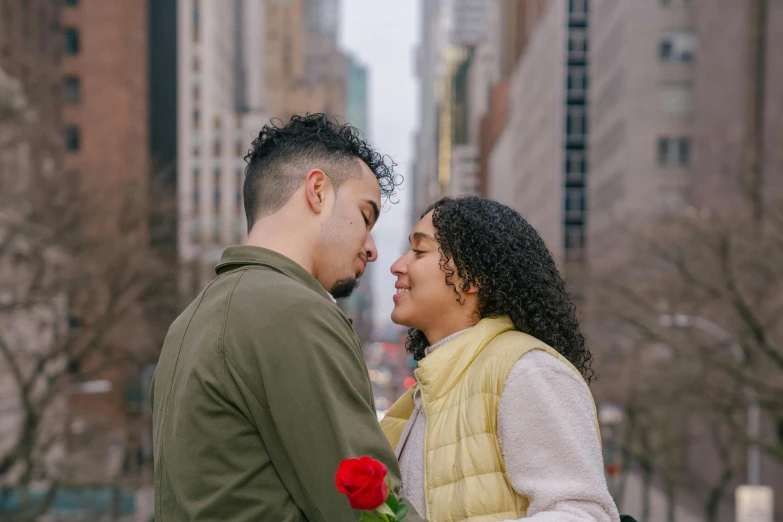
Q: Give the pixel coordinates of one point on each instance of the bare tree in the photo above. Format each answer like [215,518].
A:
[685,393]
[81,294]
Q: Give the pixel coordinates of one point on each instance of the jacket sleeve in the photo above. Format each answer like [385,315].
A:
[311,402]
[551,450]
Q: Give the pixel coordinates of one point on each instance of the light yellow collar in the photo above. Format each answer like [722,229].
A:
[439,371]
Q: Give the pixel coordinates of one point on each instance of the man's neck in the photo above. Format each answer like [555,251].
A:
[279,239]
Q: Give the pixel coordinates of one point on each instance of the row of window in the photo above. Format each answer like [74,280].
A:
[216,198]
[217,228]
[218,172]
[674,46]
[672,152]
[72,84]
[678,46]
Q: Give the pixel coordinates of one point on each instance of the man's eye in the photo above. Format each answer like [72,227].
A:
[366,220]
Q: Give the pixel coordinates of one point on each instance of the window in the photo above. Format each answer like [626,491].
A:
[678,46]
[217,198]
[72,89]
[577,43]
[71,3]
[676,98]
[577,81]
[682,4]
[196,92]
[195,197]
[578,9]
[71,41]
[576,122]
[684,152]
[576,166]
[674,152]
[575,203]
[72,138]
[196,118]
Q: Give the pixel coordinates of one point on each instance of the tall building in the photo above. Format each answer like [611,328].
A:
[305,71]
[642,57]
[105,115]
[517,20]
[357,96]
[538,165]
[685,95]
[106,94]
[163,123]
[459,60]
[220,110]
[738,105]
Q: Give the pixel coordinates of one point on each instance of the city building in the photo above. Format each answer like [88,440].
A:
[737,105]
[357,96]
[163,118]
[105,68]
[459,60]
[221,100]
[304,69]
[642,61]
[517,20]
[538,165]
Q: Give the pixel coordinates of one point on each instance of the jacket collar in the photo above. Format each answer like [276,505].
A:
[440,371]
[239,256]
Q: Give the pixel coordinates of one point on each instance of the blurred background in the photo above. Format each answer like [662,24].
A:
[642,138]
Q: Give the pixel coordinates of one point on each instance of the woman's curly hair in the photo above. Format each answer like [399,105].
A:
[497,251]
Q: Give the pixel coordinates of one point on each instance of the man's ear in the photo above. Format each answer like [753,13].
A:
[316,188]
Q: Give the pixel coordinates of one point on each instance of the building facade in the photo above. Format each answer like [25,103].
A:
[538,165]
[642,59]
[220,110]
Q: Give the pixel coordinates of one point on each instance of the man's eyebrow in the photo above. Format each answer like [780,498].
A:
[375,210]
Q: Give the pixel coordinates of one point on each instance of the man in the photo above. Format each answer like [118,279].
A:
[261,389]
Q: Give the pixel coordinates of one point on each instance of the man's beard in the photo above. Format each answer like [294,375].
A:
[344,288]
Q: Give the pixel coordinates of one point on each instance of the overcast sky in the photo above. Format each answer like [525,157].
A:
[383,34]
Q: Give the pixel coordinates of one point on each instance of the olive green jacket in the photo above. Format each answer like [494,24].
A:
[261,390]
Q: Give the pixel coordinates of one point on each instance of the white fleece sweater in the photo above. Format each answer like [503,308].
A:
[547,435]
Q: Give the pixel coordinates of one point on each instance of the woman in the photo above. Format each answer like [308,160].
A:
[501,425]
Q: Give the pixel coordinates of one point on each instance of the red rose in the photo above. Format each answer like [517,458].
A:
[363,481]
[612,469]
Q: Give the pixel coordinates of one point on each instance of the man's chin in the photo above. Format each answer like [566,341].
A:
[343,288]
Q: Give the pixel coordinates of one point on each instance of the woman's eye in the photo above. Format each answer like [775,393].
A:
[418,252]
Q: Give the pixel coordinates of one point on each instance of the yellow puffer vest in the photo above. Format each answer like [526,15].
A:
[461,384]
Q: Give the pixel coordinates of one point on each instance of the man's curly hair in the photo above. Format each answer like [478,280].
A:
[284,152]
[497,251]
